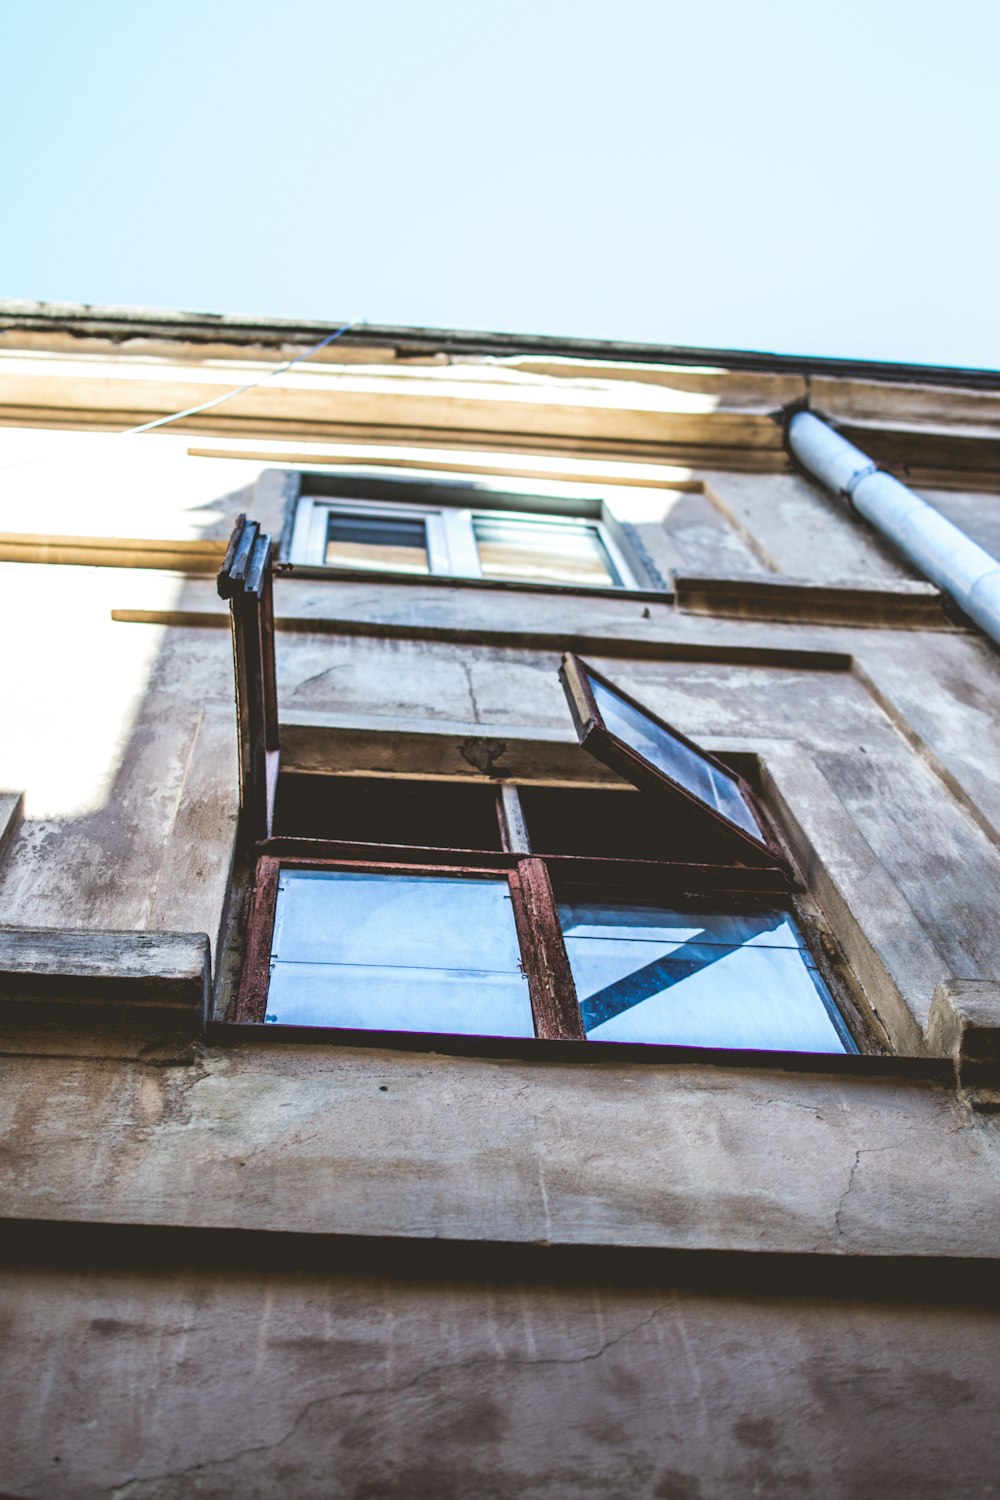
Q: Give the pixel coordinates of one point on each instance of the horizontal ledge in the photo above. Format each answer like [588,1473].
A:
[165,970]
[181,556]
[458,461]
[902,604]
[632,647]
[60,1243]
[79,321]
[440,749]
[934,1070]
[768,457]
[333,576]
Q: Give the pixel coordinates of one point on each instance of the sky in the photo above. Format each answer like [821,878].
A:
[774,176]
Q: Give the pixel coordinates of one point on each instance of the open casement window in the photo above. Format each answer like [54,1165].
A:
[246,580]
[644,749]
[385,905]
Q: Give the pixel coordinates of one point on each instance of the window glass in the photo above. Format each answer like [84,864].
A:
[563,552]
[397,953]
[710,784]
[395,543]
[697,978]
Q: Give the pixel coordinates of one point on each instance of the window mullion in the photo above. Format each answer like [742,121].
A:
[462,549]
[440,548]
[545,961]
[308,543]
[616,557]
[251,1003]
[513,828]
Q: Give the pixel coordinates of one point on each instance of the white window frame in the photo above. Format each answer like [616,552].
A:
[451,541]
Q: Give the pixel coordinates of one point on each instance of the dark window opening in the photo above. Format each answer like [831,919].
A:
[622,824]
[386,810]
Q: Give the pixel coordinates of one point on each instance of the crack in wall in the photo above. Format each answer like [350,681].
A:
[128,1486]
[467,670]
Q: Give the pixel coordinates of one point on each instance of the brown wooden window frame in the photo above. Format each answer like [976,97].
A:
[533,877]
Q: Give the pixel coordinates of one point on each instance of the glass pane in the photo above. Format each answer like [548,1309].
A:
[711,785]
[570,552]
[395,543]
[397,953]
[698,979]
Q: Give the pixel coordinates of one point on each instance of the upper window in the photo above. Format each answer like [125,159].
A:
[458,541]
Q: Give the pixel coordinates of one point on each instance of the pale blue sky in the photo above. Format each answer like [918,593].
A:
[793,177]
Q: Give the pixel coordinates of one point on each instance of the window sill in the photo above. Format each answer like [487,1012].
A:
[538,1050]
[454,581]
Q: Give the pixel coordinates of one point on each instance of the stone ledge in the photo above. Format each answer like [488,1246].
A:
[96,1244]
[964,1024]
[11,814]
[126,992]
[901,604]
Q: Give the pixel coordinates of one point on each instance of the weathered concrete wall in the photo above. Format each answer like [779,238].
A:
[876,752]
[797,528]
[145,1386]
[321,1139]
[125,747]
[976,512]
[128,755]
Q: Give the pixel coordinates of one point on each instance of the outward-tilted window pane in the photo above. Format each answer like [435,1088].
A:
[698,979]
[570,552]
[707,782]
[397,953]
[397,544]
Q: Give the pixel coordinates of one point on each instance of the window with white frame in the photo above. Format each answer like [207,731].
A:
[459,541]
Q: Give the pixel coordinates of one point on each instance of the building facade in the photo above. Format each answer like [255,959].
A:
[499,954]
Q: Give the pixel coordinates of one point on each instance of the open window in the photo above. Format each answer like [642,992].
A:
[650,753]
[657,913]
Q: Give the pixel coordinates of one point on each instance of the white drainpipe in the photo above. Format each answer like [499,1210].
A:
[941,551]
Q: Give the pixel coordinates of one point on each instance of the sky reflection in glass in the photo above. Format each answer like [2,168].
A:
[710,784]
[397,953]
[563,552]
[699,979]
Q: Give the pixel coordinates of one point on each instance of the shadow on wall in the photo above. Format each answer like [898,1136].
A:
[123,739]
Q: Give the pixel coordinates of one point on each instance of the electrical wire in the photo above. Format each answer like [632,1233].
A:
[192,411]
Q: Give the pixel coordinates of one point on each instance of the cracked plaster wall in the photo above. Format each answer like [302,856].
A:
[353,1142]
[223,1385]
[137,1386]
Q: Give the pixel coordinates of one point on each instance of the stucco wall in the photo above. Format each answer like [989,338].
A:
[143,1386]
[875,753]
